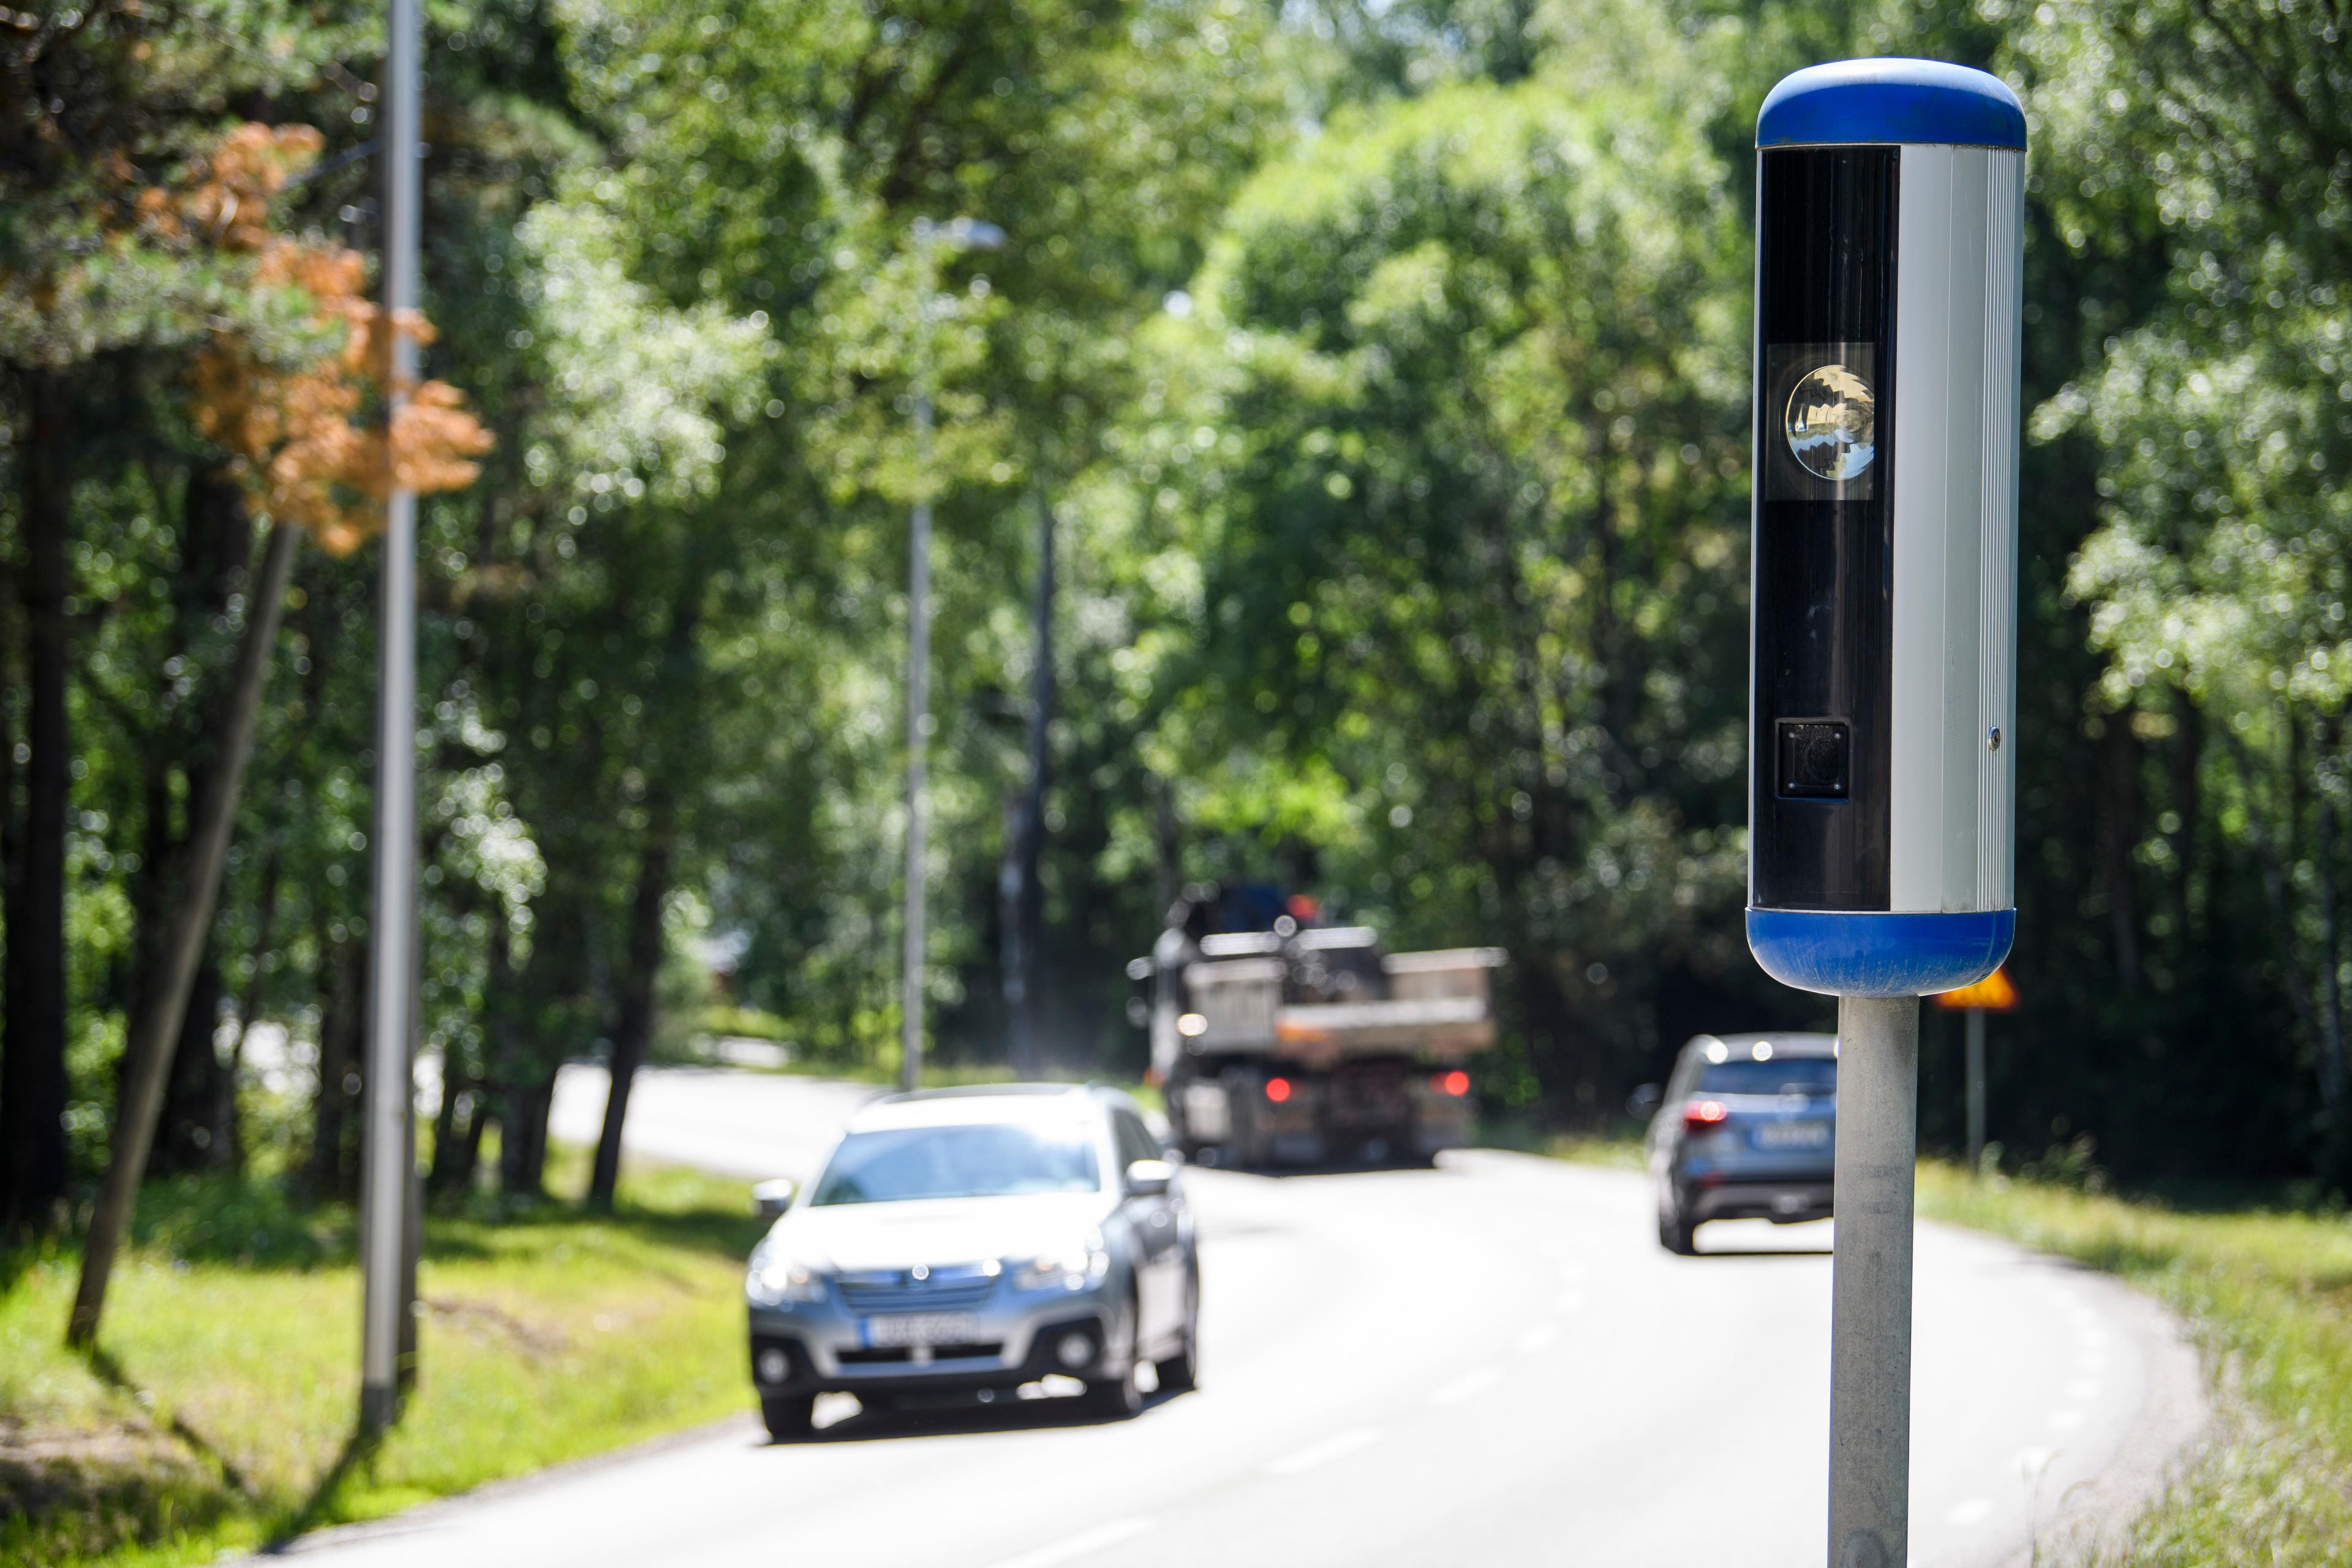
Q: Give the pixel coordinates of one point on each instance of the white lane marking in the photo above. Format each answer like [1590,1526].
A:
[1973,1511]
[1537,1339]
[2065,1420]
[2084,1388]
[1569,1300]
[1087,1542]
[1469,1385]
[2032,1462]
[1316,1456]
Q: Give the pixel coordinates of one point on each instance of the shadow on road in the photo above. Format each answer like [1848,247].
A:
[1423,1163]
[1738,1238]
[965,1417]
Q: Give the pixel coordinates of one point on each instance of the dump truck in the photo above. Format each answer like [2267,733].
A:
[1294,1042]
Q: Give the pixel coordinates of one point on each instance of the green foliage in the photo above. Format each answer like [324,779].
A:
[1382,371]
[2215,579]
[1454,431]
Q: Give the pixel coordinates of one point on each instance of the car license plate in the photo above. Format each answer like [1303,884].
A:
[1793,1135]
[905,1329]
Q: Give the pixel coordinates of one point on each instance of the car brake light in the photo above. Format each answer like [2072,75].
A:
[1455,1083]
[1704,1114]
[1277,1089]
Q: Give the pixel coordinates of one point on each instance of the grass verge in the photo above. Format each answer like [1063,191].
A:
[2268,1295]
[220,1414]
[1620,1151]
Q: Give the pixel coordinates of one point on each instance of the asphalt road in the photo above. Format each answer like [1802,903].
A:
[1488,1364]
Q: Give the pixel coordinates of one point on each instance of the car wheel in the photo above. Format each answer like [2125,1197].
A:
[789,1419]
[1676,1234]
[1118,1396]
[1115,1398]
[1180,1374]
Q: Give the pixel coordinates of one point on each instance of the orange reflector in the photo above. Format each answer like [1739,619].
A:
[1994,994]
[1277,1089]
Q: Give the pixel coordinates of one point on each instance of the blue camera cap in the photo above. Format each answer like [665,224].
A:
[1891,100]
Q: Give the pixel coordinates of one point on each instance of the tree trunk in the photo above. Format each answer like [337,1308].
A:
[164,1002]
[185,1139]
[1168,839]
[545,1029]
[248,1006]
[333,1172]
[33,1071]
[2276,886]
[447,1139]
[1023,899]
[522,1136]
[633,1027]
[455,1173]
[2331,991]
[2118,830]
[2188,805]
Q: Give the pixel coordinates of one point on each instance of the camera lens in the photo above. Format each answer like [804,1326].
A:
[1832,424]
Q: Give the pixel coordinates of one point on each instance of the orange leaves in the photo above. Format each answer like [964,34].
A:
[434,440]
[227,205]
[317,443]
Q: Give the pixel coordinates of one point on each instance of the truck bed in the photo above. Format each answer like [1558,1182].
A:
[1437,1003]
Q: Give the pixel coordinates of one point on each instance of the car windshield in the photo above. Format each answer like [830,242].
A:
[987,1160]
[1789,1075]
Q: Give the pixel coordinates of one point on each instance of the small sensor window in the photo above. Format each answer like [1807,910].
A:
[1813,759]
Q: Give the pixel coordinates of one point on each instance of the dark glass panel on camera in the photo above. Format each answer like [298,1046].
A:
[1825,527]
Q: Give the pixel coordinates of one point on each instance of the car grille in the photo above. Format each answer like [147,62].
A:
[989,1350]
[946,1291]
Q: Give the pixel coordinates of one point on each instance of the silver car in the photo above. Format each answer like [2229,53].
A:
[975,1241]
[1746,1128]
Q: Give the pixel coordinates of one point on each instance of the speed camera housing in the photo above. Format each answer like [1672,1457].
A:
[1890,196]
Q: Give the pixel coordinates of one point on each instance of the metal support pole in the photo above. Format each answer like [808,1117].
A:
[1870,1321]
[1976,1090]
[388,1162]
[918,687]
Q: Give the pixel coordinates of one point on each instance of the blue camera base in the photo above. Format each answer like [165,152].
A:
[1852,954]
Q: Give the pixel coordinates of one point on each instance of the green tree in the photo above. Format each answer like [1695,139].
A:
[1455,428]
[2216,579]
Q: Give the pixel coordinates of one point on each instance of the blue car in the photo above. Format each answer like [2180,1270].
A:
[1745,1129]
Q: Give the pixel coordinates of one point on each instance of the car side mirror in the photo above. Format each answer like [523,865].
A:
[1149,1178]
[1644,1100]
[770,1199]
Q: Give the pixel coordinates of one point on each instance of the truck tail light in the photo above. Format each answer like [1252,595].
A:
[1705,1115]
[1455,1083]
[1277,1089]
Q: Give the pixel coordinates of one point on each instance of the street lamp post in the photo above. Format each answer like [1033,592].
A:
[962,234]
[388,1146]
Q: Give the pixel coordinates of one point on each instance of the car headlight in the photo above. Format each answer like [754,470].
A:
[779,1281]
[1070,1269]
